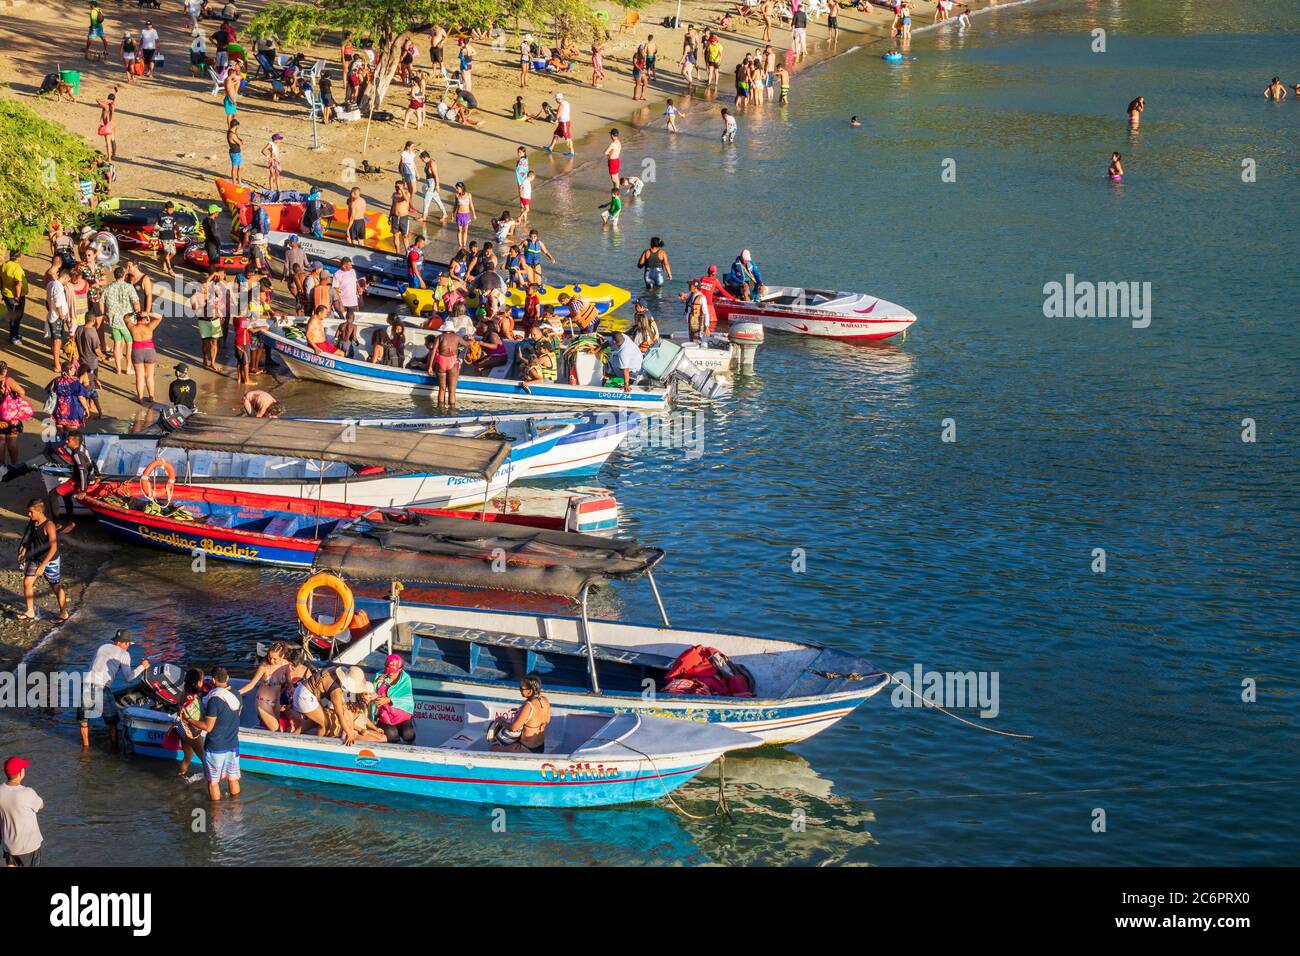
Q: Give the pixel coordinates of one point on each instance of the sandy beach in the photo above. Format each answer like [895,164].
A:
[171,143]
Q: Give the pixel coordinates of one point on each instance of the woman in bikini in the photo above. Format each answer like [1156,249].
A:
[446,363]
[269,679]
[11,394]
[527,732]
[464,215]
[107,113]
[144,356]
[1116,168]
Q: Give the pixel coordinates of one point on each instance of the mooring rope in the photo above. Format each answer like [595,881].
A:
[926,703]
[722,780]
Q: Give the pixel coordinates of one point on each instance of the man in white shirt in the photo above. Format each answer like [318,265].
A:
[148,46]
[112,660]
[562,128]
[345,283]
[58,320]
[194,10]
[625,359]
[20,832]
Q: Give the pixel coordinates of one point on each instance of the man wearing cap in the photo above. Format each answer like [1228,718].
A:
[220,721]
[625,359]
[148,47]
[712,287]
[744,280]
[168,232]
[294,255]
[211,239]
[563,129]
[111,660]
[183,391]
[19,804]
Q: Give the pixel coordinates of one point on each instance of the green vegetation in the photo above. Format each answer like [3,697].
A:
[43,164]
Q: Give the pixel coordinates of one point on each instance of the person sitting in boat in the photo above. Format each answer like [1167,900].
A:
[347,338]
[328,687]
[625,359]
[646,329]
[744,281]
[494,352]
[381,347]
[316,331]
[393,707]
[582,314]
[526,732]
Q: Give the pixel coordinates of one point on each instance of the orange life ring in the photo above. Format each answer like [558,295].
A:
[146,479]
[304,607]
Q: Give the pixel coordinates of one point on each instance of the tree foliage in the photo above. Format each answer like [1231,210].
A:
[387,22]
[43,164]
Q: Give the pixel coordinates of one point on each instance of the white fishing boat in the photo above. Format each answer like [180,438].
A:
[581,450]
[844,316]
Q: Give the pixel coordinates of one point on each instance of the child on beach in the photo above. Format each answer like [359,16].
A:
[728,126]
[525,196]
[671,112]
[613,208]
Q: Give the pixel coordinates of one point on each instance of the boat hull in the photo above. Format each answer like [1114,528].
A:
[366,376]
[497,779]
[826,324]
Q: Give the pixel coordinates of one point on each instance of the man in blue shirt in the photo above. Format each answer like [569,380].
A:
[744,280]
[221,749]
[261,221]
[625,359]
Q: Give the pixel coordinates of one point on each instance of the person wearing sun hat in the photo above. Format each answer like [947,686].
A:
[19,804]
[328,687]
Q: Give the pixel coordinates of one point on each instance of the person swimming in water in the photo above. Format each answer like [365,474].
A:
[854,121]
[1276,91]
[1116,169]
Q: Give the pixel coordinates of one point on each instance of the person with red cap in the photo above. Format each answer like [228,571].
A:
[711,287]
[19,831]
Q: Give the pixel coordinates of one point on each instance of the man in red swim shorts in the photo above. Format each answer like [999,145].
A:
[612,153]
[562,128]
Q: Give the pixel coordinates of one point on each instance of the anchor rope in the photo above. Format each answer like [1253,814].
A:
[717,811]
[948,713]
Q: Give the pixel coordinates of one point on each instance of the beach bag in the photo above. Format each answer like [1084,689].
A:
[14,408]
[708,667]
[51,403]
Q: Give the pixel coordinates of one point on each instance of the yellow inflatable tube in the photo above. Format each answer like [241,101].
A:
[605,296]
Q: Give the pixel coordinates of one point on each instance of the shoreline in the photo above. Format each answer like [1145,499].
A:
[481,156]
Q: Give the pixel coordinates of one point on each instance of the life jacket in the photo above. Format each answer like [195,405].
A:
[706,671]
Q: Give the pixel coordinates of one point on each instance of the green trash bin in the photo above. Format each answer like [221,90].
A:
[73,79]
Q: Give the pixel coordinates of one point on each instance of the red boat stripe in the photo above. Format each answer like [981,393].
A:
[508,783]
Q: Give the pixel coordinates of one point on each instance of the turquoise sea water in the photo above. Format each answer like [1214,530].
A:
[1072,434]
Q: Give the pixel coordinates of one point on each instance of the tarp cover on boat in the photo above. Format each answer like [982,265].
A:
[440,550]
[409,452]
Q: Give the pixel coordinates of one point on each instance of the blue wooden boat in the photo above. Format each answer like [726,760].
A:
[336,369]
[589,759]
[478,548]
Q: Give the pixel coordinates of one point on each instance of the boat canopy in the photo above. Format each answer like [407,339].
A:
[434,549]
[400,451]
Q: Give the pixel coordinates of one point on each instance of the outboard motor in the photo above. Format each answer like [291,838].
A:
[160,686]
[745,336]
[173,417]
[665,362]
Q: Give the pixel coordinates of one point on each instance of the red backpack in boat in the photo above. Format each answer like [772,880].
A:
[706,671]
